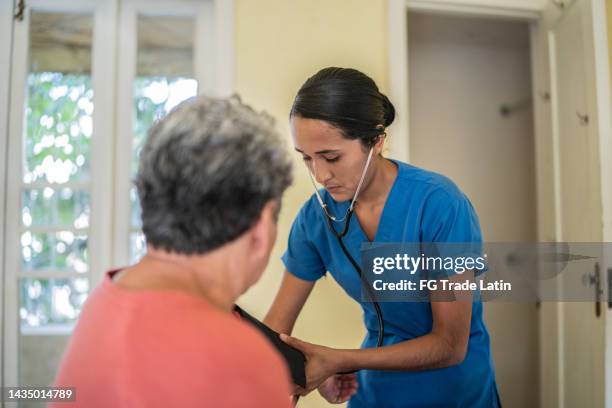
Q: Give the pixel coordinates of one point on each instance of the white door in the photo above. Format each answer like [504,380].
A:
[462,69]
[164,58]
[55,198]
[581,332]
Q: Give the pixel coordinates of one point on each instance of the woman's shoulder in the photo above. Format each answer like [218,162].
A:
[430,182]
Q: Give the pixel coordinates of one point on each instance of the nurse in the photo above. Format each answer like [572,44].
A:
[432,354]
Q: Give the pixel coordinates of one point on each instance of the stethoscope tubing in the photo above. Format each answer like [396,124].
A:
[371,295]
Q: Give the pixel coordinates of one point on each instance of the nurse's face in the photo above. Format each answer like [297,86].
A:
[335,161]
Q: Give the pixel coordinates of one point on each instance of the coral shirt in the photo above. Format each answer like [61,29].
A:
[168,349]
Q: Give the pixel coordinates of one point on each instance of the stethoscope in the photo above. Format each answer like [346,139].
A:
[329,218]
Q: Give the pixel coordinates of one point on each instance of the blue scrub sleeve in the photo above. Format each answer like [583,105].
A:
[451,218]
[301,257]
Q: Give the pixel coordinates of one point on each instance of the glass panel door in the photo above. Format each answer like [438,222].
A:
[164,78]
[157,71]
[52,179]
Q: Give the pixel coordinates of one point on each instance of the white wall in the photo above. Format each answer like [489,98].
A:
[460,71]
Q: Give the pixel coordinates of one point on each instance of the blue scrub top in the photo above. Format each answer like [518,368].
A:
[422,206]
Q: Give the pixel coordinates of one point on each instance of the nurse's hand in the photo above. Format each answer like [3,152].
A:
[339,388]
[321,362]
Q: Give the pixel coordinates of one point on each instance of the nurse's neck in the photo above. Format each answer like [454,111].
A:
[377,186]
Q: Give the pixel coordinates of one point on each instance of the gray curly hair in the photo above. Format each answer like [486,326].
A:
[206,171]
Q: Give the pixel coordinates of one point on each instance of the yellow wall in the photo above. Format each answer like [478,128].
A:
[280,43]
[609,20]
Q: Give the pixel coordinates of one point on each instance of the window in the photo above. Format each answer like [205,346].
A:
[164,78]
[72,209]
[56,176]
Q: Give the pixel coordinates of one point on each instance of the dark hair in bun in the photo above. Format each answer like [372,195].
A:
[348,100]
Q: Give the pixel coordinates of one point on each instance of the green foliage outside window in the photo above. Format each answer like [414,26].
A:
[57,150]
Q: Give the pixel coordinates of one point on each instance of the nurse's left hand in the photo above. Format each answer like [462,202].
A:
[321,362]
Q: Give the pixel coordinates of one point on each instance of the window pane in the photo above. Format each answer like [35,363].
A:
[136,210]
[60,42]
[153,98]
[59,99]
[62,250]
[40,355]
[164,78]
[56,143]
[56,146]
[164,72]
[58,207]
[46,302]
[165,46]
[58,127]
[138,246]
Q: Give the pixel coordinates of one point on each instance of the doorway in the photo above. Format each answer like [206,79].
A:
[471,119]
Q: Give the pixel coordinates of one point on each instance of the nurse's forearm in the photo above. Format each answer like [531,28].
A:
[288,303]
[425,352]
[444,346]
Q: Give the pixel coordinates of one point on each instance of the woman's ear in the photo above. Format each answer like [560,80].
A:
[263,232]
[378,146]
[253,251]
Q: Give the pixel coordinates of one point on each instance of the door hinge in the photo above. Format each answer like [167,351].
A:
[20,10]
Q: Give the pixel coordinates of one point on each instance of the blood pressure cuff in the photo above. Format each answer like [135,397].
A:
[295,359]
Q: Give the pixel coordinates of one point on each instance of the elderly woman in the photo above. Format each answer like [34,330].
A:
[161,333]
